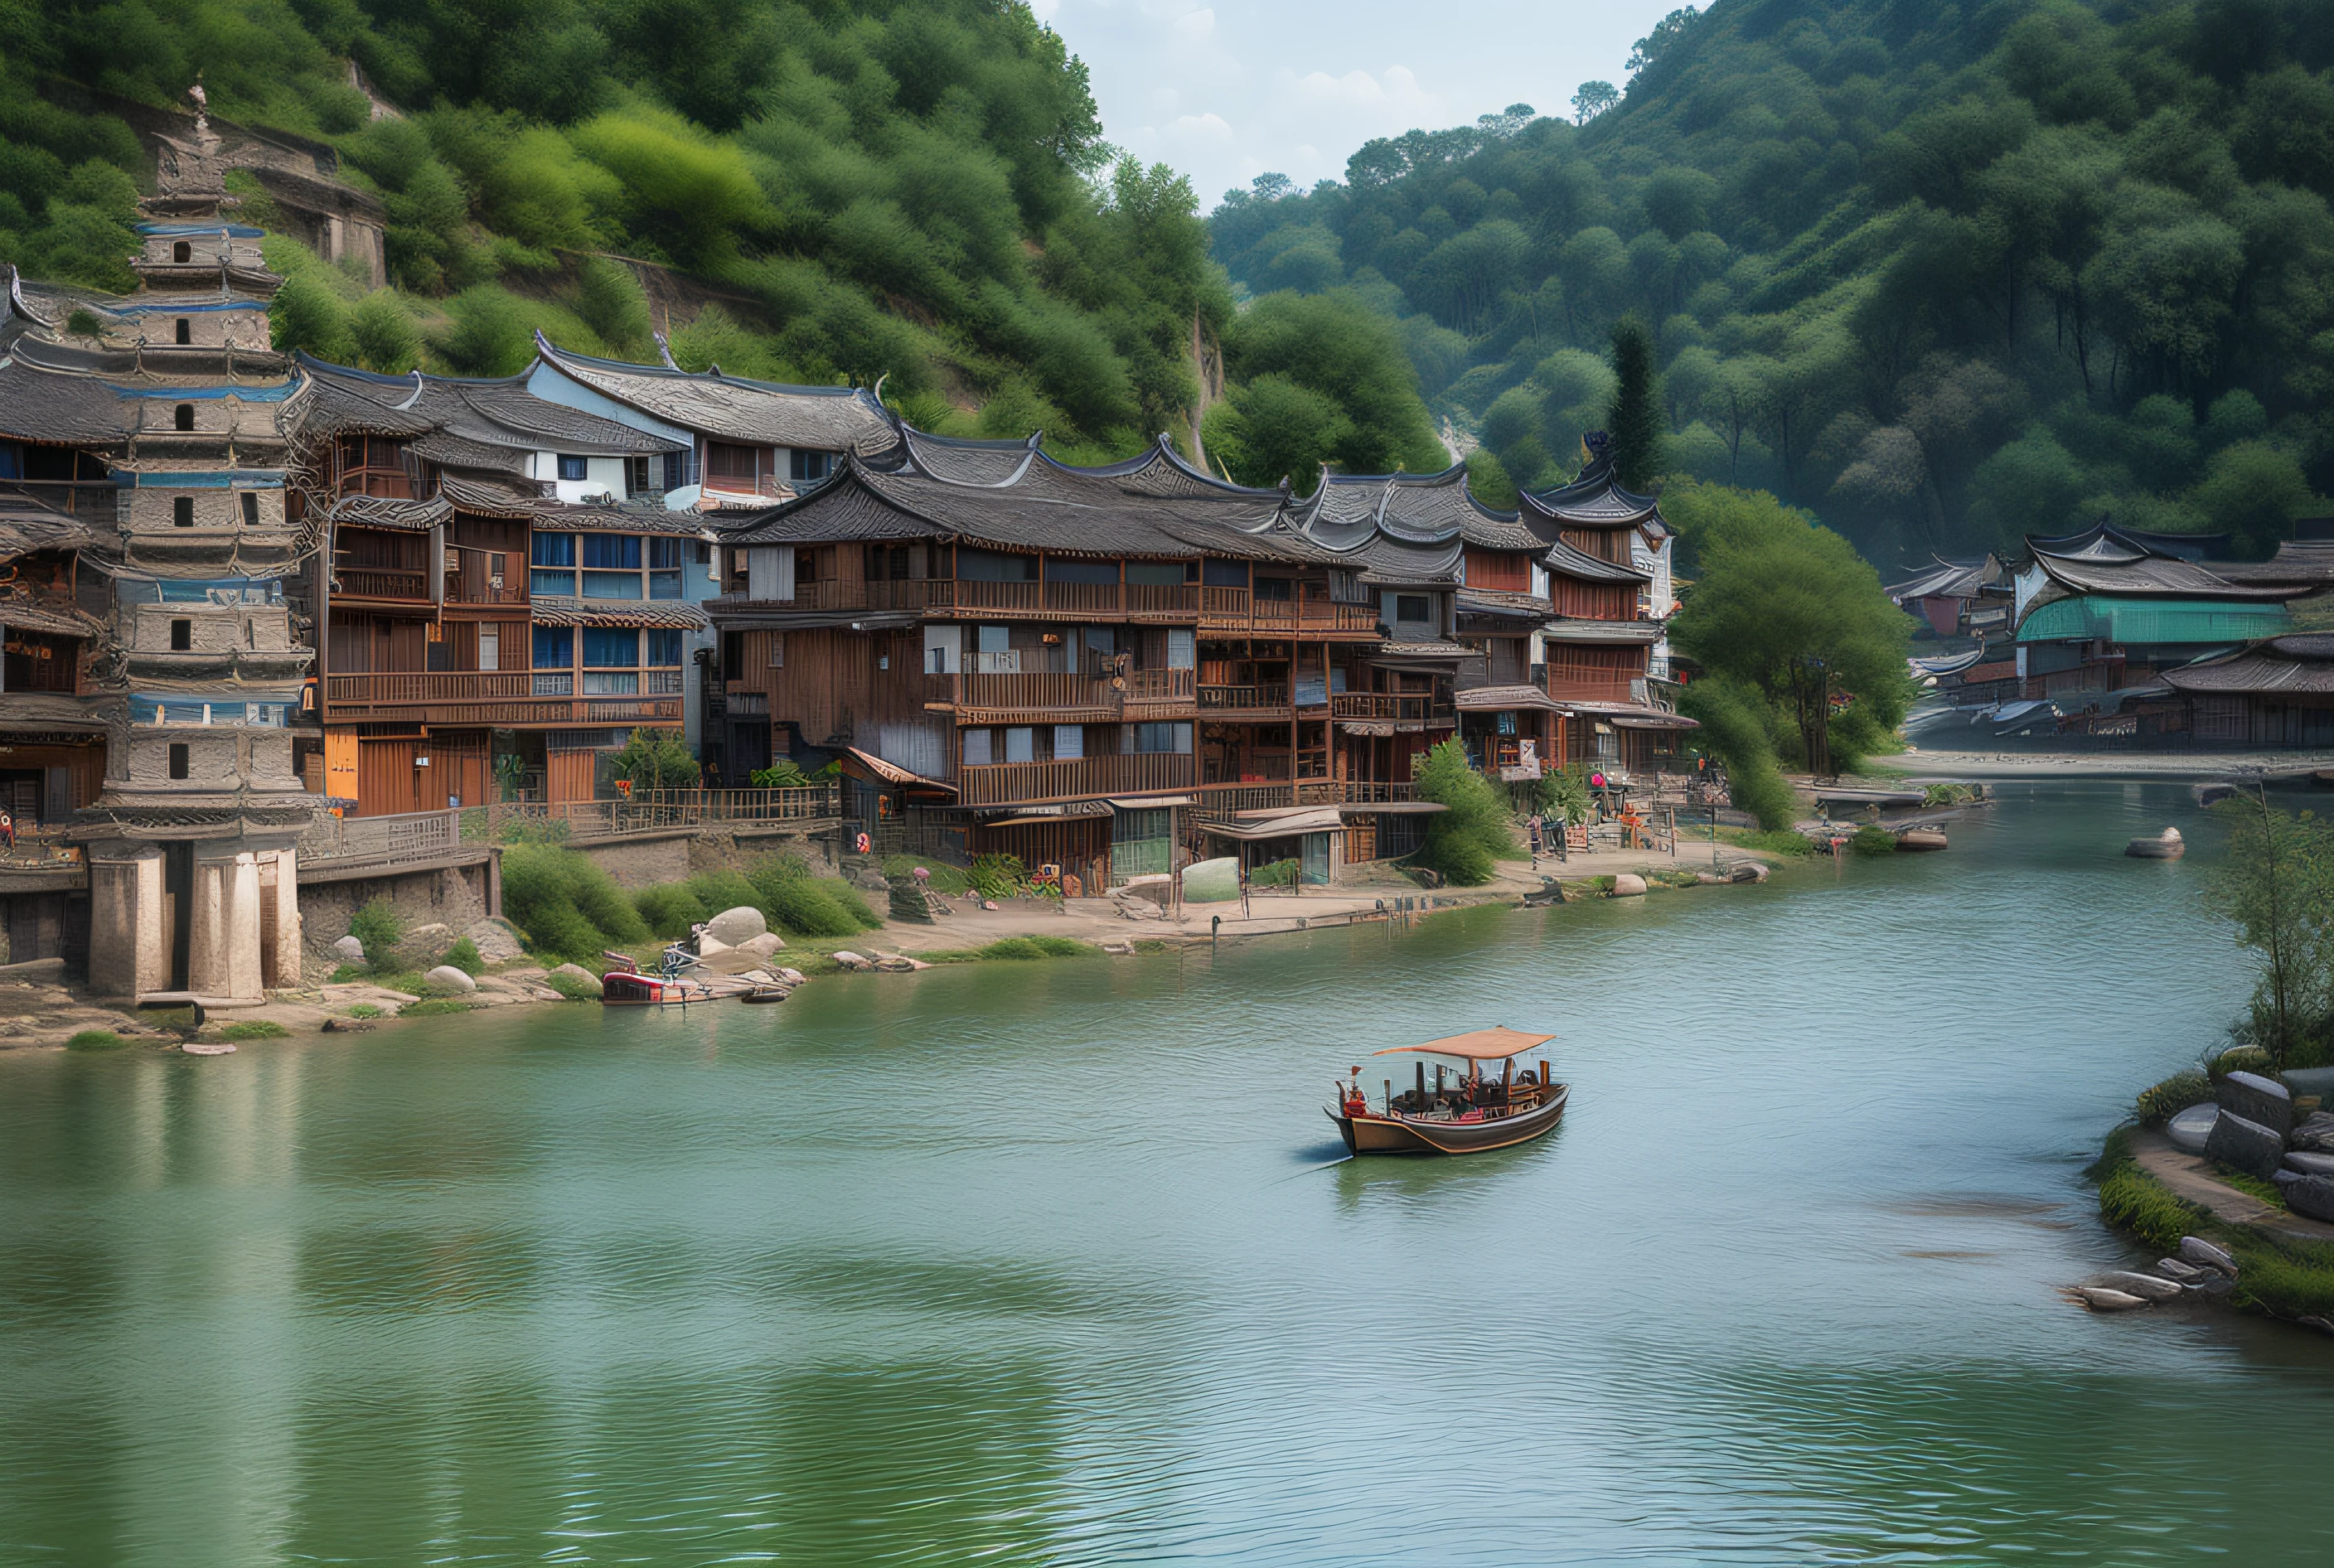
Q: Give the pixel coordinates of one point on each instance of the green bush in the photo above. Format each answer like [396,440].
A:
[781,774]
[998,876]
[1732,728]
[1465,842]
[1277,874]
[436,1007]
[724,890]
[96,1040]
[568,907]
[254,1029]
[2160,1103]
[947,881]
[670,909]
[364,1010]
[854,903]
[803,904]
[464,956]
[1563,793]
[1029,948]
[377,929]
[2238,1059]
[573,990]
[1873,840]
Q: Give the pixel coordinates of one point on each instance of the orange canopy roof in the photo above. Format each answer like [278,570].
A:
[1475,1046]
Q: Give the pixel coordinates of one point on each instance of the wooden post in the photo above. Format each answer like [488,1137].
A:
[1421,1084]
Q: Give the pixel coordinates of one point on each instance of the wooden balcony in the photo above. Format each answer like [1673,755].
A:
[1270,698]
[1588,688]
[376,584]
[1028,783]
[501,698]
[1401,706]
[464,590]
[1236,610]
[1061,697]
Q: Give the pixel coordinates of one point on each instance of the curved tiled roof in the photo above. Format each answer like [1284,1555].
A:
[553,611]
[731,408]
[1595,500]
[58,407]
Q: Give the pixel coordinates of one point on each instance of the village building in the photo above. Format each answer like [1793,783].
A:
[157,660]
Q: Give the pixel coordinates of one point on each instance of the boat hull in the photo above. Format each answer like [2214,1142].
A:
[618,989]
[2154,850]
[1411,1135]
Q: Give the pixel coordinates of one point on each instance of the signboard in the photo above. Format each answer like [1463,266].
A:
[1526,764]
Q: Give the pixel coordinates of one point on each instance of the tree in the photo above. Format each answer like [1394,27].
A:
[1333,345]
[382,333]
[1593,100]
[2255,491]
[656,760]
[1634,418]
[1665,33]
[2277,883]
[1788,610]
[1272,429]
[1464,841]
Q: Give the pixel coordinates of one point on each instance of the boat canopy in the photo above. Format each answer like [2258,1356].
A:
[1475,1046]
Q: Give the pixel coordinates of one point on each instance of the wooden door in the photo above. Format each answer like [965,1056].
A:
[388,783]
[568,775]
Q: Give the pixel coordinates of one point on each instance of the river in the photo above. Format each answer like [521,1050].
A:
[1049,1263]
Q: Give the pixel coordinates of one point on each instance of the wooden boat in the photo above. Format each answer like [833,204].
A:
[767,994]
[1473,1113]
[622,985]
[1916,841]
[2168,846]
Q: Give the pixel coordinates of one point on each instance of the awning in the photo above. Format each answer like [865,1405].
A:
[2099,616]
[1366,726]
[1148,802]
[1507,698]
[549,609]
[1395,808]
[1284,824]
[1633,716]
[61,621]
[875,770]
[1476,1046]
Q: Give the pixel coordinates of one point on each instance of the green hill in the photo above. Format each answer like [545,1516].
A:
[1946,273]
[917,191]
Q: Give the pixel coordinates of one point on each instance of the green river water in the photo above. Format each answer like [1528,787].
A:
[1048,1263]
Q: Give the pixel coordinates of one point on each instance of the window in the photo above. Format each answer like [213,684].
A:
[182,636]
[732,464]
[182,418]
[611,647]
[611,551]
[554,648]
[663,646]
[1155,737]
[1216,574]
[574,467]
[636,476]
[664,568]
[548,552]
[612,585]
[182,252]
[664,553]
[1021,744]
[186,334]
[182,511]
[977,747]
[1183,648]
[676,469]
[177,759]
[733,655]
[250,508]
[1070,743]
[778,650]
[975,565]
[490,647]
[808,467]
[1275,588]
[1412,607]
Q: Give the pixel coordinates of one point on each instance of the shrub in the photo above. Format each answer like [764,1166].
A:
[2159,1103]
[364,1010]
[670,909]
[1564,791]
[1873,840]
[96,1040]
[377,929]
[1278,874]
[718,890]
[781,774]
[2238,1059]
[854,903]
[998,876]
[566,905]
[254,1029]
[656,760]
[799,902]
[529,830]
[1464,841]
[464,955]
[573,990]
[1029,948]
[436,1007]
[945,879]
[1732,728]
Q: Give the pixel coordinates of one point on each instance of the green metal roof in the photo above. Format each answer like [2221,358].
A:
[2099,615]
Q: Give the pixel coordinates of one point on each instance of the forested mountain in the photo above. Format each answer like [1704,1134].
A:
[1946,273]
[917,189]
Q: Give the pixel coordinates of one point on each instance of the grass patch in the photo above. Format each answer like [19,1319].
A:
[436,1007]
[2251,1186]
[2279,1275]
[2133,1202]
[569,987]
[254,1029]
[96,1040]
[364,1010]
[949,881]
[1024,948]
[1758,841]
[2160,1103]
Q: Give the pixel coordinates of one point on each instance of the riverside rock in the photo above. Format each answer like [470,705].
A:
[2309,1162]
[2191,1128]
[767,943]
[578,974]
[2312,1196]
[2255,1150]
[851,960]
[734,926]
[447,977]
[349,949]
[496,940]
[2103,1300]
[2259,1100]
[2316,1132]
[2197,1250]
[2144,1285]
[2180,1271]
[1628,885]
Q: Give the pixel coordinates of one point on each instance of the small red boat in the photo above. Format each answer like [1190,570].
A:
[622,984]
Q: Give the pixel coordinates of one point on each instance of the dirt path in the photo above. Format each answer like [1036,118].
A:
[2190,1176]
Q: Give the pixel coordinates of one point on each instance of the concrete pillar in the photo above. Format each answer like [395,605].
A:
[206,942]
[286,894]
[240,926]
[127,954]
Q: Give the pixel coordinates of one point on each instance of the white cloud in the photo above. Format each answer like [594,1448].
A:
[1211,129]
[1195,26]
[1398,89]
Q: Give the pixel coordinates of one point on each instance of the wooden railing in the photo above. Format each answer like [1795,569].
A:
[1003,784]
[1236,609]
[1270,695]
[414,836]
[1164,601]
[492,698]
[467,590]
[1222,802]
[1388,705]
[1144,686]
[1059,691]
[100,498]
[417,685]
[376,582]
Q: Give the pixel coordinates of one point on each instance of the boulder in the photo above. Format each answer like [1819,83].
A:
[2261,1100]
[2309,1162]
[767,943]
[577,974]
[2255,1150]
[2180,1271]
[851,960]
[2190,1128]
[1211,881]
[424,945]
[2147,1286]
[2312,1196]
[2197,1250]
[349,949]
[2316,1132]
[1628,885]
[731,926]
[1748,872]
[2318,1080]
[2102,1299]
[447,977]
[792,976]
[496,940]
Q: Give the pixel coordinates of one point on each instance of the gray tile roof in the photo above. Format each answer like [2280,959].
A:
[732,409]
[553,611]
[1595,500]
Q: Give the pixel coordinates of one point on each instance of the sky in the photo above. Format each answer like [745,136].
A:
[1227,90]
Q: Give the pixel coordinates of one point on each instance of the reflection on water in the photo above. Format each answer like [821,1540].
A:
[1059,1263]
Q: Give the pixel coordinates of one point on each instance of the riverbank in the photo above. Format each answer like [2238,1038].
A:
[1922,763]
[2156,1193]
[38,1010]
